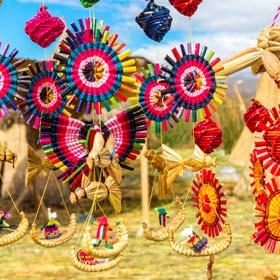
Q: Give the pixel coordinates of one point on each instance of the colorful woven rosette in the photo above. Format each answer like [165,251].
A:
[195,81]
[64,141]
[97,71]
[10,80]
[44,93]
[267,143]
[155,102]
[267,229]
[209,201]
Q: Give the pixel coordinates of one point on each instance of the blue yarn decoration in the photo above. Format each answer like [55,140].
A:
[155,20]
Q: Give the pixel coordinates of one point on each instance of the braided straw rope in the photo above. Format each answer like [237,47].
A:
[93,268]
[119,246]
[17,234]
[50,243]
[208,251]
[161,234]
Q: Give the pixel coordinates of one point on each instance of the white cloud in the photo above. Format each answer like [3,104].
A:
[71,3]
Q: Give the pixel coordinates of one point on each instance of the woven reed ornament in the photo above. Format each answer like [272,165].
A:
[209,201]
[186,7]
[267,228]
[44,93]
[157,106]
[267,144]
[208,135]
[64,141]
[88,3]
[98,71]
[155,20]
[257,117]
[11,79]
[193,81]
[43,29]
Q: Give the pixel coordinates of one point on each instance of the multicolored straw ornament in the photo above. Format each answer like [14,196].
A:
[65,140]
[193,81]
[155,20]
[156,104]
[210,203]
[97,71]
[11,80]
[267,228]
[43,29]
[44,93]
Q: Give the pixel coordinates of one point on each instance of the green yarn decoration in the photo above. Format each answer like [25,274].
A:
[88,3]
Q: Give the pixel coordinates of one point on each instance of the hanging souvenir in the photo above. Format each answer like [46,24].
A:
[103,252]
[267,228]
[257,117]
[156,104]
[210,203]
[11,79]
[194,81]
[160,233]
[97,70]
[88,3]
[43,29]
[208,135]
[267,144]
[155,20]
[44,93]
[67,142]
[52,235]
[186,7]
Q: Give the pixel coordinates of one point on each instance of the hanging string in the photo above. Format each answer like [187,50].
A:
[91,209]
[101,209]
[152,190]
[61,195]
[187,195]
[190,30]
[42,197]
[9,193]
[275,17]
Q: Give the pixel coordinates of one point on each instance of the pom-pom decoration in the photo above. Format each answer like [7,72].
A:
[193,80]
[156,104]
[267,144]
[257,117]
[155,20]
[208,135]
[10,80]
[186,7]
[97,71]
[44,93]
[88,3]
[209,201]
[65,141]
[43,29]
[267,232]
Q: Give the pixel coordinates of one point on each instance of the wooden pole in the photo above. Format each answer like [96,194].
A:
[144,187]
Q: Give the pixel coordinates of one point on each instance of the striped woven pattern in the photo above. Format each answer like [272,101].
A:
[155,20]
[44,93]
[193,81]
[210,203]
[10,80]
[97,69]
[156,105]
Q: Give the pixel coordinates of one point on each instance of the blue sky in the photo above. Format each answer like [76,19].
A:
[225,26]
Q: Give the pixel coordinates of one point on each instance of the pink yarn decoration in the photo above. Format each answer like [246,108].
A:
[44,29]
